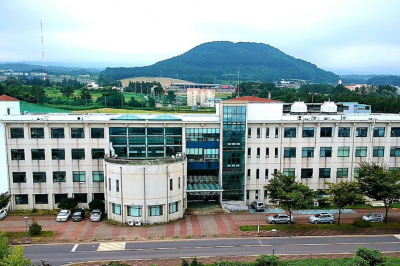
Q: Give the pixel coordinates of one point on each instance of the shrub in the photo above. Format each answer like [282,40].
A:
[34,210]
[366,256]
[97,204]
[68,204]
[323,202]
[362,223]
[35,228]
[4,199]
[115,263]
[266,260]
[193,263]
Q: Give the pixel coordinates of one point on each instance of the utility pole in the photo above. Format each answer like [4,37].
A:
[255,88]
[238,86]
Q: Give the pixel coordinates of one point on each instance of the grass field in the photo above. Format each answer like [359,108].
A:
[126,111]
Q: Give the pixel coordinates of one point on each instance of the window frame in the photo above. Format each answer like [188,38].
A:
[289,152]
[394,151]
[342,173]
[378,151]
[379,132]
[100,175]
[57,174]
[306,132]
[116,208]
[325,150]
[289,132]
[44,197]
[324,173]
[326,132]
[39,177]
[55,133]
[158,210]
[307,152]
[343,152]
[359,151]
[98,152]
[17,133]
[38,154]
[97,135]
[17,154]
[305,172]
[79,176]
[78,151]
[344,132]
[58,154]
[361,132]
[19,177]
[77,133]
[37,133]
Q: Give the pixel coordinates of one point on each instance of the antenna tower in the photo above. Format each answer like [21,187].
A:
[41,31]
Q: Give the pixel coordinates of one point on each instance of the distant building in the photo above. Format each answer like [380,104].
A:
[353,87]
[92,86]
[199,96]
[185,86]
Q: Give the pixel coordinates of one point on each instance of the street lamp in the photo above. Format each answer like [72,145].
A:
[27,235]
[273,241]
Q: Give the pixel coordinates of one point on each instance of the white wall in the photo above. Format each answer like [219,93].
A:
[13,105]
[3,160]
[263,111]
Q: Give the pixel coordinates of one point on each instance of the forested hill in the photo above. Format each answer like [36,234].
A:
[219,61]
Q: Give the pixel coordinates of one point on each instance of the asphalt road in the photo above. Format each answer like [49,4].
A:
[59,254]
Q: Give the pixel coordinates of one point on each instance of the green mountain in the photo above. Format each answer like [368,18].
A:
[219,61]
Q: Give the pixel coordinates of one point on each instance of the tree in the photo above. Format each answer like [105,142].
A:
[4,246]
[171,97]
[68,203]
[85,95]
[343,194]
[67,91]
[97,204]
[152,102]
[4,199]
[35,228]
[379,183]
[368,257]
[134,103]
[14,258]
[291,194]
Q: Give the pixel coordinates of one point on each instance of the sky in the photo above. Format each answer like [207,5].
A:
[343,36]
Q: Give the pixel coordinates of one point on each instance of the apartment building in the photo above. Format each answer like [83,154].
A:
[148,166]
[199,96]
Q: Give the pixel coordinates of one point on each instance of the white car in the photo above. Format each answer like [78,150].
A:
[63,216]
[374,217]
[3,214]
[321,218]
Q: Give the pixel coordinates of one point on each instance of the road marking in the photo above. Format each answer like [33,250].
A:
[259,241]
[397,236]
[75,247]
[111,246]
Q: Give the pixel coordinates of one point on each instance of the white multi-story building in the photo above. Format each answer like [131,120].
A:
[230,155]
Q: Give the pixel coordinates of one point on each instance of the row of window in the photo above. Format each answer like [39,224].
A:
[308,152]
[56,154]
[136,210]
[326,132]
[56,133]
[58,176]
[22,199]
[141,131]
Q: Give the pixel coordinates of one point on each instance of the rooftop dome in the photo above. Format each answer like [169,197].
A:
[298,107]
[329,107]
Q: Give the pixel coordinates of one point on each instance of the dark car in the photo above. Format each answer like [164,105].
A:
[78,215]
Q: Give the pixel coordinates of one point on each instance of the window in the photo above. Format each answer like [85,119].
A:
[77,133]
[21,199]
[379,151]
[116,208]
[379,132]
[257,173]
[17,132]
[276,132]
[343,151]
[79,176]
[394,151]
[58,154]
[59,176]
[38,154]
[248,152]
[356,172]
[81,197]
[37,133]
[173,207]
[306,173]
[342,173]
[117,185]
[308,152]
[361,132]
[326,152]
[290,152]
[109,184]
[17,155]
[276,152]
[324,172]
[258,132]
[249,132]
[267,132]
[290,132]
[266,152]
[57,133]
[247,194]
[256,196]
[266,173]
[308,132]
[275,171]
[78,154]
[395,132]
[19,177]
[98,176]
[39,177]
[248,173]
[135,211]
[99,196]
[258,152]
[361,151]
[265,194]
[155,131]
[326,132]
[393,169]
[179,182]
[168,131]
[59,197]
[97,154]
[344,132]
[289,171]
[41,199]
[171,184]
[97,133]
[155,210]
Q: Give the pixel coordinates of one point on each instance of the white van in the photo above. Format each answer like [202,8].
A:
[258,205]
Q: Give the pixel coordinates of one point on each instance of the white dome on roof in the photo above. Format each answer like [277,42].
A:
[298,107]
[329,107]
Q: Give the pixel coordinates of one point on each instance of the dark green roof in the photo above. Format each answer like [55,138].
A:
[129,117]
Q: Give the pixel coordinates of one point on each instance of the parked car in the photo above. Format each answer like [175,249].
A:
[95,216]
[78,215]
[373,217]
[3,214]
[279,219]
[258,205]
[63,215]
[321,218]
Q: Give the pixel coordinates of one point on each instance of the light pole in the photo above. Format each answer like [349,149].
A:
[273,241]
[27,235]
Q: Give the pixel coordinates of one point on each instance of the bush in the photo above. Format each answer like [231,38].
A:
[116,263]
[266,260]
[323,202]
[35,228]
[4,199]
[97,204]
[362,223]
[366,256]
[193,263]
[68,204]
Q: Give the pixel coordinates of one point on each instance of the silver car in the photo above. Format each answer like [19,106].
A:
[321,218]
[95,216]
[279,219]
[373,217]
